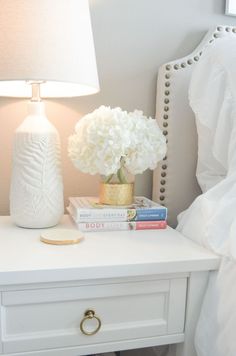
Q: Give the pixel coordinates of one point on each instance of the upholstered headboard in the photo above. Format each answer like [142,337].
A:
[174,181]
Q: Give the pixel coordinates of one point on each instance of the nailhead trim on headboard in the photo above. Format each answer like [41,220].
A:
[170,68]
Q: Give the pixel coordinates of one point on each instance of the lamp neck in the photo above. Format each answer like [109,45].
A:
[35,92]
[36,108]
[35,88]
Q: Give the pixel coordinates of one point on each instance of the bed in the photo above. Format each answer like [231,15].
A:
[196,108]
[177,120]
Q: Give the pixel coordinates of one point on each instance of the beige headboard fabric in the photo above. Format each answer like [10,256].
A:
[174,181]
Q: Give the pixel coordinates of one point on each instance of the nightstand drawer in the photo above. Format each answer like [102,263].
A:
[51,318]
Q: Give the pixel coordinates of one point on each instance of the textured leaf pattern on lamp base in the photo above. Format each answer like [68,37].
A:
[36,199]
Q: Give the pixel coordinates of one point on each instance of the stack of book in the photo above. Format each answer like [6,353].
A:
[143,214]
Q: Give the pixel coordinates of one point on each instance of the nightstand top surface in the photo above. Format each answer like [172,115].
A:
[25,259]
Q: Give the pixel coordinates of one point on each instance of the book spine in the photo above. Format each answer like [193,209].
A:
[91,215]
[151,214]
[121,226]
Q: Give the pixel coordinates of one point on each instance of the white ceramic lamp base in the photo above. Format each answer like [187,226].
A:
[36,197]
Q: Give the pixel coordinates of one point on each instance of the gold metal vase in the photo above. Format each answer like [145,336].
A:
[116,193]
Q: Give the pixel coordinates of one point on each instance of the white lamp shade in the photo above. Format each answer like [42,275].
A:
[50,41]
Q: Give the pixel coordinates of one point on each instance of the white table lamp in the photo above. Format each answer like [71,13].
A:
[46,50]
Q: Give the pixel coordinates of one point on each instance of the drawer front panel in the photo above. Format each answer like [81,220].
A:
[50,318]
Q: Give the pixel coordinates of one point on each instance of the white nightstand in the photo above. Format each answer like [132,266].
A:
[146,287]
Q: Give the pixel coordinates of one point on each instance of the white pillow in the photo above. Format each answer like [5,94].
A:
[212,96]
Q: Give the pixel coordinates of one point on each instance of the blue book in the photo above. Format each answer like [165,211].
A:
[88,209]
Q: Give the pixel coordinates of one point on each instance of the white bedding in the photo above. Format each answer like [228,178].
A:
[211,219]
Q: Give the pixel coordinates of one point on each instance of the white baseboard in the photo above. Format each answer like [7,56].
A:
[150,351]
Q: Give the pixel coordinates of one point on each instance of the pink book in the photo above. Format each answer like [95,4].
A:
[121,225]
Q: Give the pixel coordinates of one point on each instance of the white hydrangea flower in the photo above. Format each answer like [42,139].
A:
[149,144]
[107,139]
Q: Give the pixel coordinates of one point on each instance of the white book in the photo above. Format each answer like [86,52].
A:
[118,225]
[88,209]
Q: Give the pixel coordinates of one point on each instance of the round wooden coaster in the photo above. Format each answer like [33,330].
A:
[61,237]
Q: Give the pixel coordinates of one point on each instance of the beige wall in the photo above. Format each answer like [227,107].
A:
[132,39]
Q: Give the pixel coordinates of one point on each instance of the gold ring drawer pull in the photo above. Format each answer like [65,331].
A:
[88,315]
